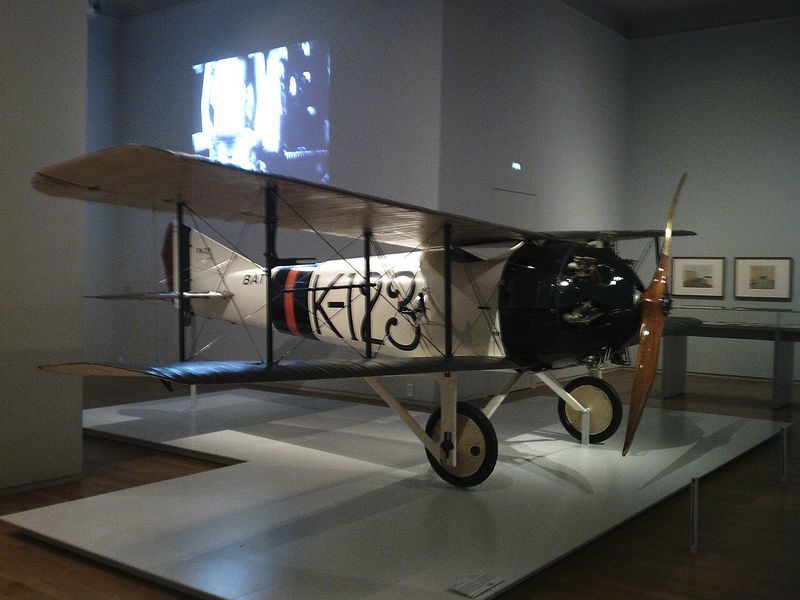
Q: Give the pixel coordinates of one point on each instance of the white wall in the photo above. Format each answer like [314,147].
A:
[722,105]
[42,117]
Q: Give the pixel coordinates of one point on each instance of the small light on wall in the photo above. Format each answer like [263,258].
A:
[516,166]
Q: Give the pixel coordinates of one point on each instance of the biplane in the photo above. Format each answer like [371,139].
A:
[546,300]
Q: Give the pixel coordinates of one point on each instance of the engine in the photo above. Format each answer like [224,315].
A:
[561,299]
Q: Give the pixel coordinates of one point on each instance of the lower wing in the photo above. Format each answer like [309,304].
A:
[235,372]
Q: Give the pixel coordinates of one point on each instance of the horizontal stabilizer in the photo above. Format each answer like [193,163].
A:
[93,369]
[243,372]
[162,296]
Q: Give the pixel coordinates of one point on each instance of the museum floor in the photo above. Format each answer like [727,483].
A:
[749,523]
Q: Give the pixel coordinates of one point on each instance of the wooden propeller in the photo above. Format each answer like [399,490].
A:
[655,305]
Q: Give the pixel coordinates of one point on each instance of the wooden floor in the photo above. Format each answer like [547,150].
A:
[749,524]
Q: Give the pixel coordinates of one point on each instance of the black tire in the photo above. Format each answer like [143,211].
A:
[477,447]
[604,401]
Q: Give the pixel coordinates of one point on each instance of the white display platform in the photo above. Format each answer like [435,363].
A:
[337,501]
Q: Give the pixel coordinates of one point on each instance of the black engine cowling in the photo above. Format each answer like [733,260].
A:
[566,300]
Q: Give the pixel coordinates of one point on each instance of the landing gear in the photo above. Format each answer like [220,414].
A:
[604,403]
[476,451]
[460,441]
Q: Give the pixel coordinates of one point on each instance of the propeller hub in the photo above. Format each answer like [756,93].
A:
[666,303]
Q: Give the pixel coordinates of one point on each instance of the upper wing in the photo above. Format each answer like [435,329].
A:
[150,178]
[157,179]
[240,372]
[613,235]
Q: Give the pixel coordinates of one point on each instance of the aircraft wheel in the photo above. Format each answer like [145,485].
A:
[476,454]
[604,402]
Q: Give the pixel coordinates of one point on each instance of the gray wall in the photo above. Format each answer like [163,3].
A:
[42,117]
[722,105]
[543,85]
[103,224]
[458,88]
[405,124]
[540,84]
[386,78]
[433,101]
[385,113]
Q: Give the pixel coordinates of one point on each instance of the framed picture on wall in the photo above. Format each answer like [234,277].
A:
[763,278]
[694,276]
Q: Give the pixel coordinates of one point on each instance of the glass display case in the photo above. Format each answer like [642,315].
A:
[721,315]
[780,326]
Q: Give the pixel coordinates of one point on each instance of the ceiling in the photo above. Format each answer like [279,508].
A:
[647,18]
[632,18]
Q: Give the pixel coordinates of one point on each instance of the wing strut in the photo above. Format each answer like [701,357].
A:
[270,259]
[448,292]
[367,294]
[447,381]
[184,284]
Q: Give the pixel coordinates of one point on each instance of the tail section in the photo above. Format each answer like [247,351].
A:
[213,280]
[174,244]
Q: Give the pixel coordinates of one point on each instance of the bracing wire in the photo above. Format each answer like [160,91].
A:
[221,274]
[355,269]
[650,244]
[384,271]
[481,311]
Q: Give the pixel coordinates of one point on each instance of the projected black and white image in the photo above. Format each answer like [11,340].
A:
[267,111]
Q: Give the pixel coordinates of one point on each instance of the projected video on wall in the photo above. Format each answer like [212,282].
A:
[267,111]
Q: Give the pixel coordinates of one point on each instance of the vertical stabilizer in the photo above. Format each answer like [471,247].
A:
[174,253]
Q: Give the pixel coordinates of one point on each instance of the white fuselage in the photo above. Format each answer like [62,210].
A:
[326,301]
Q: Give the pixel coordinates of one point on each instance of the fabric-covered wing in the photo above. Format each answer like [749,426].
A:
[152,178]
[241,372]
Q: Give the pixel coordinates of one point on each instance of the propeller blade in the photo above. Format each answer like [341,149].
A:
[654,315]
